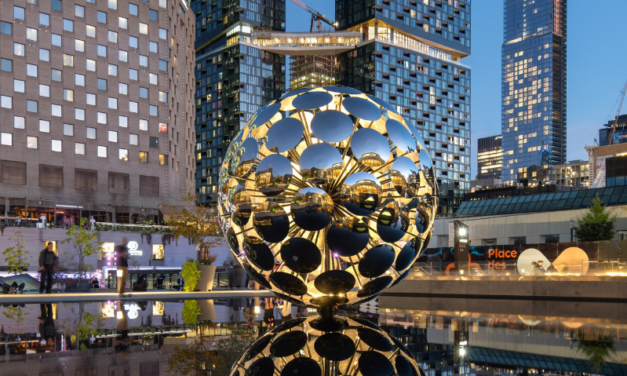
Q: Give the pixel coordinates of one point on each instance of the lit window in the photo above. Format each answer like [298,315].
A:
[133,139]
[113,70]
[143,28]
[90,31]
[68,130]
[44,126]
[90,65]
[79,45]
[19,122]
[143,61]
[113,103]
[68,95]
[122,88]
[31,142]
[102,117]
[163,96]
[163,159]
[79,148]
[19,49]
[132,107]
[79,79]
[19,86]
[123,121]
[143,157]
[154,110]
[79,11]
[143,125]
[6,102]
[123,154]
[102,152]
[123,56]
[90,99]
[68,60]
[68,25]
[123,23]
[7,139]
[31,70]
[56,110]
[79,114]
[31,34]
[154,47]
[90,133]
[102,50]
[56,146]
[154,79]
[113,136]
[113,37]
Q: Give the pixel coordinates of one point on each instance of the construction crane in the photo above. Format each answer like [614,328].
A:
[620,105]
[316,17]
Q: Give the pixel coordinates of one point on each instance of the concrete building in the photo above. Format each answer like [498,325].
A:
[571,174]
[606,165]
[533,112]
[96,114]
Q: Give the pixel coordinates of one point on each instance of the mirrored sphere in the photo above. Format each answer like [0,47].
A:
[327,196]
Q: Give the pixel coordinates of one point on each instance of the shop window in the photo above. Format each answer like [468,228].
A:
[158,252]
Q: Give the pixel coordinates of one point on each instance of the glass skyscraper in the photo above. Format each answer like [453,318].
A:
[489,157]
[533,88]
[233,77]
[411,58]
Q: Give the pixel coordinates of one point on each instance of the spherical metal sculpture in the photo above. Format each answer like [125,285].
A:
[327,196]
[317,346]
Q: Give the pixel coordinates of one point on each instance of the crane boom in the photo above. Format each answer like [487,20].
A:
[314,13]
[620,105]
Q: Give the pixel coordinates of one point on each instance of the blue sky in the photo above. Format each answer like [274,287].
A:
[596,67]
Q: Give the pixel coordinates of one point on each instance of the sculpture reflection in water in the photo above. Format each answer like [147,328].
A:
[327,196]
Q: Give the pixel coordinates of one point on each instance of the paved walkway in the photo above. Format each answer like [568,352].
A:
[150,295]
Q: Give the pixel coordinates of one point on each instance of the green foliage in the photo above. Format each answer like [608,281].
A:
[17,315]
[85,245]
[597,224]
[191,274]
[16,256]
[191,310]
[597,352]
[90,324]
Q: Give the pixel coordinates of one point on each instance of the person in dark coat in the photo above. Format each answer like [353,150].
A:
[46,324]
[121,260]
[48,261]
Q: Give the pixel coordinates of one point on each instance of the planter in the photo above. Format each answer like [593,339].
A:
[207,274]
[207,310]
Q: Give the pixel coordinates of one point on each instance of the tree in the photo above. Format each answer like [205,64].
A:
[597,352]
[17,255]
[196,223]
[597,224]
[84,245]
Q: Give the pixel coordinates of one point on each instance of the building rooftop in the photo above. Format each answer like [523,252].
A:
[542,202]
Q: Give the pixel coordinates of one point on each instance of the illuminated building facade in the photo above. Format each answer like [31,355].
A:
[489,157]
[411,57]
[571,174]
[533,87]
[234,77]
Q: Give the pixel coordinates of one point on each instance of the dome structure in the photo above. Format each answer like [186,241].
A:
[327,196]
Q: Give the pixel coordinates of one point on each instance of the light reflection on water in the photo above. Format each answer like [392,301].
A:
[138,337]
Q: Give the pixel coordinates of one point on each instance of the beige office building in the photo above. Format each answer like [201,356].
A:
[96,115]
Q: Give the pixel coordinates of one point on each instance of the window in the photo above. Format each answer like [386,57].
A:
[79,11]
[44,55]
[68,95]
[102,17]
[133,42]
[153,15]
[6,102]
[91,133]
[6,139]
[113,103]
[79,79]
[19,86]
[44,90]
[56,40]
[154,110]
[122,88]
[113,70]
[101,117]
[102,84]
[31,2]
[143,61]
[102,152]
[113,4]
[102,50]
[31,34]
[31,106]
[143,157]
[90,65]
[44,126]
[56,75]
[79,148]
[143,28]
[154,142]
[123,56]
[123,121]
[91,1]
[18,13]
[132,74]
[6,28]
[56,146]
[90,31]
[68,130]
[19,122]
[90,99]
[56,5]
[68,25]
[154,79]
[56,110]
[113,36]
[132,9]
[123,23]
[163,65]
[31,142]
[133,107]
[79,114]
[44,19]
[6,65]
[143,125]
[18,49]
[123,153]
[163,96]
[154,47]
[133,139]
[68,60]
[163,34]
[113,136]
[31,70]
[163,159]
[79,45]
[143,92]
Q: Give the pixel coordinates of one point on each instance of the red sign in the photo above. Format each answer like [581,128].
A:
[163,127]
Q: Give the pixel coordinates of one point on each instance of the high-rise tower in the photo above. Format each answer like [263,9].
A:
[411,58]
[233,77]
[533,88]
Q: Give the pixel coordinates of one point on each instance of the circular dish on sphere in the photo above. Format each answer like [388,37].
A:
[327,196]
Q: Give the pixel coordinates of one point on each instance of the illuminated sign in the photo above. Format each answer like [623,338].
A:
[158,252]
[132,309]
[163,127]
[132,249]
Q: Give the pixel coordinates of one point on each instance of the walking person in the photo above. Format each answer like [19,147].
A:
[48,261]
[121,260]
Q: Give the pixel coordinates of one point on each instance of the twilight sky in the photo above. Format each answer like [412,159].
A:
[596,65]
